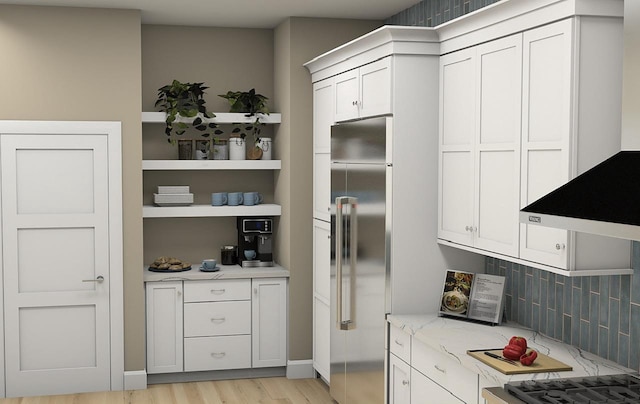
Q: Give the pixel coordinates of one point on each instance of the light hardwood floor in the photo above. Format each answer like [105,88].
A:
[271,390]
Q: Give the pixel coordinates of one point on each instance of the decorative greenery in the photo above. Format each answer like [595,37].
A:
[184,100]
[251,104]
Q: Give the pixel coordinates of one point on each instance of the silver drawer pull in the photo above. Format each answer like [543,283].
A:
[398,342]
[99,279]
[218,320]
[218,291]
[439,369]
[405,382]
[218,355]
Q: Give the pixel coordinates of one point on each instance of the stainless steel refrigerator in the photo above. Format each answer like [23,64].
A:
[360,175]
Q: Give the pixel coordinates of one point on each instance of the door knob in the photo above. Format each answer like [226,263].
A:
[99,279]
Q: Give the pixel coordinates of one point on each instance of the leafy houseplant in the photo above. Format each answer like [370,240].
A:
[251,104]
[184,100]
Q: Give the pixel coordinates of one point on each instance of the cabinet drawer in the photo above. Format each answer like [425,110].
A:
[215,291]
[400,343]
[445,371]
[217,318]
[217,353]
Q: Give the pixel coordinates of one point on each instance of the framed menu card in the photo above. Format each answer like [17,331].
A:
[473,296]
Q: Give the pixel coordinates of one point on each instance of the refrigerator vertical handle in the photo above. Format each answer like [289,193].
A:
[353,242]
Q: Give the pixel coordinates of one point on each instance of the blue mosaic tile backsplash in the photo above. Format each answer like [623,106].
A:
[599,314]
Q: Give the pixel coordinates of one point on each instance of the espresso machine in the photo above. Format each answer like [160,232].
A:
[255,236]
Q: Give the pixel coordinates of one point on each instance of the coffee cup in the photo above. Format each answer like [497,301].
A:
[250,254]
[219,198]
[252,198]
[209,263]
[235,198]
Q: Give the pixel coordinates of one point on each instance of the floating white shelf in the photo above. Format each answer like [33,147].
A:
[211,165]
[220,117]
[149,211]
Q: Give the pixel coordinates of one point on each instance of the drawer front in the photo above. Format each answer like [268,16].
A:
[216,291]
[400,343]
[217,318]
[217,353]
[445,371]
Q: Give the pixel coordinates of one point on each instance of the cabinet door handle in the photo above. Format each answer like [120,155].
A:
[560,246]
[99,279]
[398,342]
[354,103]
[218,355]
[405,382]
[439,369]
[218,291]
[255,291]
[218,319]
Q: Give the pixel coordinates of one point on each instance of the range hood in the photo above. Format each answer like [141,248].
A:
[604,200]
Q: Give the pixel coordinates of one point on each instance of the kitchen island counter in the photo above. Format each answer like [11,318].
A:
[453,338]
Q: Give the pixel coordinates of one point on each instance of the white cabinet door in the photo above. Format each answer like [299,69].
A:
[321,337]
[363,92]
[426,391]
[323,96]
[497,161]
[546,126]
[399,381]
[457,137]
[269,322]
[164,327]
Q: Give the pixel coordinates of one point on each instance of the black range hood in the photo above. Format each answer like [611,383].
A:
[604,200]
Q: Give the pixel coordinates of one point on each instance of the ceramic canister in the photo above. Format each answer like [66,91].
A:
[266,146]
[237,149]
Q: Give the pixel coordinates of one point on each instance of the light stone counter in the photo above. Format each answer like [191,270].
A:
[225,272]
[453,338]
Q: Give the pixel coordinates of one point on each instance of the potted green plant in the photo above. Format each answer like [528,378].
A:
[251,104]
[185,100]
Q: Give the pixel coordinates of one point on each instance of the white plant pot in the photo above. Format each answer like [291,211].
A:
[237,149]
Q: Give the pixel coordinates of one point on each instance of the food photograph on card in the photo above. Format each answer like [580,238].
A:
[457,289]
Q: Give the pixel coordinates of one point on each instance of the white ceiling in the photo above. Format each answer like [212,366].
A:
[238,13]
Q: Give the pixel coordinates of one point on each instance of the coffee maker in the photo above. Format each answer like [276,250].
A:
[255,235]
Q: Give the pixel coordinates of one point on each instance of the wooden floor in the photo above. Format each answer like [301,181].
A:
[272,390]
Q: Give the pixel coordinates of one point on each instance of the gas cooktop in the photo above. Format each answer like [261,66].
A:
[623,388]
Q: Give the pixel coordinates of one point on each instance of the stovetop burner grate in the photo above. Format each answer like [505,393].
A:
[613,389]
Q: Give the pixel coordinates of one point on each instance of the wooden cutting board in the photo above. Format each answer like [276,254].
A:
[542,364]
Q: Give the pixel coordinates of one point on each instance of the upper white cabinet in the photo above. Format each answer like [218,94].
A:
[363,92]
[323,101]
[480,92]
[522,115]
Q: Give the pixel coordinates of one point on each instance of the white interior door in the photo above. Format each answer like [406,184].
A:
[57,258]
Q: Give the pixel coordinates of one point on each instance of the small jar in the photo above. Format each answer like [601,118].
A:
[265,145]
[228,255]
[220,150]
[237,149]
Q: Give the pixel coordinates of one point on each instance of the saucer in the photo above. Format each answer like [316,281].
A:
[217,268]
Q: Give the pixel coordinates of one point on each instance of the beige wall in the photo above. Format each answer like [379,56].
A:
[83,64]
[631,81]
[298,40]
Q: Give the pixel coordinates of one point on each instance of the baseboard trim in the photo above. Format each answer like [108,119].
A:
[135,380]
[182,377]
[300,369]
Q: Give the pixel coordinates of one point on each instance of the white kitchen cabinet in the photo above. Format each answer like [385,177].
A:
[321,296]
[364,91]
[480,90]
[269,322]
[426,391]
[323,94]
[216,324]
[321,337]
[547,108]
[400,383]
[164,327]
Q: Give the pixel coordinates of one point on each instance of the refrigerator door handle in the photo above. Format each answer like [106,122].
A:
[341,202]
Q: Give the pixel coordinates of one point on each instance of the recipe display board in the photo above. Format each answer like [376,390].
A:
[473,296]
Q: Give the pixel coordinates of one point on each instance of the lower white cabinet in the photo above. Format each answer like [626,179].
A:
[199,325]
[164,327]
[418,374]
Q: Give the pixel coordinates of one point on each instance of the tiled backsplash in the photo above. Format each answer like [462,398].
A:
[429,13]
[599,314]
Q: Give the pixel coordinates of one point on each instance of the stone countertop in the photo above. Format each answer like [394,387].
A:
[454,338]
[225,272]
